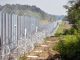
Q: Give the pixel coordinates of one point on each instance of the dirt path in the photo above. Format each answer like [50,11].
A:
[45,50]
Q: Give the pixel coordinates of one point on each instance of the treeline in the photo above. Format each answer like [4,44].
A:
[27,10]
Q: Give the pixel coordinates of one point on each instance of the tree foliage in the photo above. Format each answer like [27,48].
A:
[74,14]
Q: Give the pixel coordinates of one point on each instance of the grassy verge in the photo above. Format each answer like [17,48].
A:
[60,29]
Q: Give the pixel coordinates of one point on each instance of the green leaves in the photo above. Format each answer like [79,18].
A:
[74,14]
[69,46]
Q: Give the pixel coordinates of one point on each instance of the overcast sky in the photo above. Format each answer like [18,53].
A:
[49,6]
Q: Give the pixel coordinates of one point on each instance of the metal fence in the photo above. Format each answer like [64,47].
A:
[21,33]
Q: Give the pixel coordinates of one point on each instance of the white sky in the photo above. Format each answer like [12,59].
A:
[49,6]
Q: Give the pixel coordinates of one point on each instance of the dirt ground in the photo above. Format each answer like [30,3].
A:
[44,51]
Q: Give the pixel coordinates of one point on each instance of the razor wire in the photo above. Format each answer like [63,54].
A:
[21,33]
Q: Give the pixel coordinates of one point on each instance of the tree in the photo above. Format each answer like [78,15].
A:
[74,13]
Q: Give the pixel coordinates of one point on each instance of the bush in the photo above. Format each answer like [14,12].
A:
[71,31]
[58,34]
[69,47]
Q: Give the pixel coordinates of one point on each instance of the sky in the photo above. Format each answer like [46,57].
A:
[54,7]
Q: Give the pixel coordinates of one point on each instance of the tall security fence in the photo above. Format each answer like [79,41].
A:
[19,34]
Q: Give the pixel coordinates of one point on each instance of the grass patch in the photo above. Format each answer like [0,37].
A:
[60,29]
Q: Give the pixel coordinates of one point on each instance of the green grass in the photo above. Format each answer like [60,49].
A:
[61,28]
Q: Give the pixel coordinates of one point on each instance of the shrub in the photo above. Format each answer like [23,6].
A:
[71,31]
[58,34]
[69,47]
